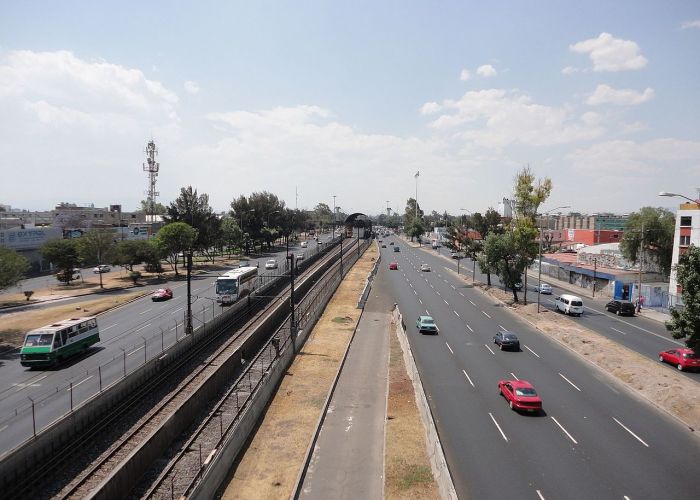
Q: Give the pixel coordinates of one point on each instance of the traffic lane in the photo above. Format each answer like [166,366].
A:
[603,414]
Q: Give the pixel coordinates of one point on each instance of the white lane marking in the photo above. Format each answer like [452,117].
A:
[626,497]
[499,428]
[470,328]
[135,350]
[453,287]
[33,383]
[419,300]
[624,427]
[3,428]
[618,331]
[533,352]
[176,310]
[446,302]
[448,346]
[469,379]
[456,314]
[431,286]
[144,312]
[486,314]
[111,326]
[461,294]
[472,303]
[415,293]
[499,326]
[84,380]
[570,382]
[144,326]
[427,312]
[514,376]
[565,431]
[410,284]
[539,494]
[487,347]
[438,293]
[444,280]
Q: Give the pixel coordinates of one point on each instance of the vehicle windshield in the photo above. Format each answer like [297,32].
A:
[525,391]
[428,321]
[576,303]
[510,337]
[38,339]
[690,355]
[226,287]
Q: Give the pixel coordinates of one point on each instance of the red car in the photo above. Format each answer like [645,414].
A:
[162,294]
[394,266]
[520,395]
[681,357]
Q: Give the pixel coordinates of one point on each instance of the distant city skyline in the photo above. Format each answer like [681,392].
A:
[350,100]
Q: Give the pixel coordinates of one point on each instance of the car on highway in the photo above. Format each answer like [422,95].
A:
[391,243]
[682,358]
[162,294]
[569,304]
[102,268]
[383,245]
[426,324]
[397,249]
[300,256]
[620,307]
[394,266]
[507,340]
[425,268]
[521,395]
[544,289]
[271,264]
[304,244]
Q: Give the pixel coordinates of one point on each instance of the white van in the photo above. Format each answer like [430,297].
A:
[569,304]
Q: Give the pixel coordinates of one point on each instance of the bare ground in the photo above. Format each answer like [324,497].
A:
[408,474]
[270,465]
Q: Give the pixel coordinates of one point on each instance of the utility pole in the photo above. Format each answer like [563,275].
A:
[641,261]
[152,167]
[188,326]
[334,218]
[595,268]
[292,323]
[416,177]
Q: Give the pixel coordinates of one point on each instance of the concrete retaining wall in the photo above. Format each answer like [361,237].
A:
[441,471]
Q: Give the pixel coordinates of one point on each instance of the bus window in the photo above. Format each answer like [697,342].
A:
[39,339]
[64,337]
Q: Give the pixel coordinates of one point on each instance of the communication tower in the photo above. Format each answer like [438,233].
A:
[152,167]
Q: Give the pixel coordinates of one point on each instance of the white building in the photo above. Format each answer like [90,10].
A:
[687,233]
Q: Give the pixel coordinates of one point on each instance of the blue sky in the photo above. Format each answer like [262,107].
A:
[350,99]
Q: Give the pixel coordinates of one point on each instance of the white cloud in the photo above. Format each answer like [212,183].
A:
[691,24]
[570,70]
[605,94]
[191,87]
[486,70]
[494,118]
[465,75]
[611,54]
[639,158]
[430,108]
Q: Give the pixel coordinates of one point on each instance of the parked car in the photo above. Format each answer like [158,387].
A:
[681,357]
[569,304]
[620,307]
[102,268]
[394,266]
[426,324]
[521,395]
[162,294]
[425,267]
[507,340]
[271,264]
[544,289]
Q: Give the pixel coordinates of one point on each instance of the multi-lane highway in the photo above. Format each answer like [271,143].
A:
[594,440]
[129,334]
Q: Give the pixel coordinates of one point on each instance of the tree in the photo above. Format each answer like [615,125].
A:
[410,212]
[95,247]
[501,254]
[194,210]
[130,253]
[416,228]
[175,238]
[253,213]
[64,255]
[12,267]
[489,223]
[685,322]
[158,208]
[231,233]
[654,229]
[529,196]
[323,215]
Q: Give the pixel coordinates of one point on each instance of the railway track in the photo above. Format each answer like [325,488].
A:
[91,480]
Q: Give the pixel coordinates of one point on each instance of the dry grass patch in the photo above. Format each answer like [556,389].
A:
[15,325]
[408,474]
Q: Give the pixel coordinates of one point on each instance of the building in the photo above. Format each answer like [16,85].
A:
[70,217]
[27,243]
[687,233]
[506,208]
[592,236]
[609,222]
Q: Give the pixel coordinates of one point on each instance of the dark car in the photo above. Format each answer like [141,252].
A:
[397,249]
[620,307]
[507,340]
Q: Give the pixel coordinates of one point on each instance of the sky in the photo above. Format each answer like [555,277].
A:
[311,99]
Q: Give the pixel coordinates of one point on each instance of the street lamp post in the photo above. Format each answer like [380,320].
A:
[334,217]
[539,266]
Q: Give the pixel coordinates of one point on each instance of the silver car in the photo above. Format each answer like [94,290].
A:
[271,264]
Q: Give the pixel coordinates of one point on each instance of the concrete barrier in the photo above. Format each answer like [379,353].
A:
[438,464]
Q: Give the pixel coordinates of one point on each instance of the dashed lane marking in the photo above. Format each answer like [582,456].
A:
[570,382]
[498,427]
[565,431]
[469,379]
[486,314]
[487,347]
[628,430]
[533,352]
[448,346]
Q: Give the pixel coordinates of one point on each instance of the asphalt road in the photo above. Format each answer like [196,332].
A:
[643,335]
[595,440]
[130,334]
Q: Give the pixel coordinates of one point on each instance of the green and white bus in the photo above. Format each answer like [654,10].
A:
[51,344]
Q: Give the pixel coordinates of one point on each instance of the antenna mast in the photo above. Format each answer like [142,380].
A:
[152,167]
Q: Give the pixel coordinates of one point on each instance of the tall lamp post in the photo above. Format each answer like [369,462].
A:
[464,223]
[539,266]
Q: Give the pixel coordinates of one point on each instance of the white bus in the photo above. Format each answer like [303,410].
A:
[51,344]
[235,284]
